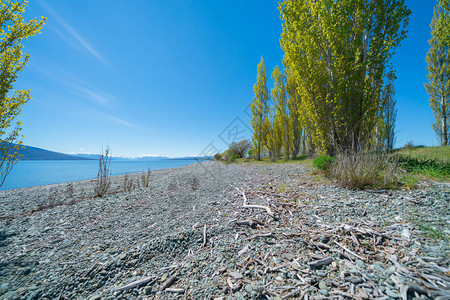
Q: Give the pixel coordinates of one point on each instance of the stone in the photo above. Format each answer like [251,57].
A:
[323,285]
[324,292]
[248,288]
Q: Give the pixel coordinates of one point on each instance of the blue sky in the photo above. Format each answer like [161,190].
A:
[173,78]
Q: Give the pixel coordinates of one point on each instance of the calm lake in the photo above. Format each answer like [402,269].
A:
[40,172]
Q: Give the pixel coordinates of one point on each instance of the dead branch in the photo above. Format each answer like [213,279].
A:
[266,208]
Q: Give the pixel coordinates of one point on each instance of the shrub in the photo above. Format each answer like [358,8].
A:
[103,182]
[323,162]
[145,178]
[233,157]
[127,183]
[409,145]
[217,156]
[366,169]
[240,148]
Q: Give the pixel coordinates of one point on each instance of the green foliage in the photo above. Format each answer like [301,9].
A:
[340,54]
[217,156]
[259,107]
[438,59]
[233,157]
[424,165]
[323,162]
[13,31]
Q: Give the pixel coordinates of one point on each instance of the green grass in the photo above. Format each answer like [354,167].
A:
[433,162]
[437,153]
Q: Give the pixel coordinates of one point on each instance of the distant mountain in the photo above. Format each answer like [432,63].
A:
[33,153]
[144,158]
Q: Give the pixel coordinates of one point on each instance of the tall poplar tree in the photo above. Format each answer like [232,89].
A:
[340,52]
[13,31]
[259,107]
[279,97]
[438,59]
[294,104]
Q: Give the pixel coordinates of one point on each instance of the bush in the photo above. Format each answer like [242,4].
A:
[323,162]
[217,156]
[103,181]
[233,157]
[366,169]
[241,148]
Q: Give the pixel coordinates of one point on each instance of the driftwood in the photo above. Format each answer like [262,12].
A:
[321,262]
[204,236]
[175,290]
[249,222]
[168,282]
[136,283]
[266,208]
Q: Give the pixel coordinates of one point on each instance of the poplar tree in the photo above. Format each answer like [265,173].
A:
[389,115]
[12,33]
[438,60]
[340,53]
[294,105]
[259,107]
[281,120]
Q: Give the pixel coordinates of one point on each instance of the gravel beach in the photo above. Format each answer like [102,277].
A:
[188,235]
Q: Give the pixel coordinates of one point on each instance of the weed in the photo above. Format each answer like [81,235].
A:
[145,178]
[410,182]
[127,183]
[103,182]
[424,165]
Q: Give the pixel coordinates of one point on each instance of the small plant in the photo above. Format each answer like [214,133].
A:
[145,178]
[194,183]
[127,183]
[103,182]
[409,145]
[323,162]
[409,181]
[423,165]
[70,190]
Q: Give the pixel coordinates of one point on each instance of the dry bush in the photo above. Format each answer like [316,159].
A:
[103,182]
[365,169]
[145,178]
[127,183]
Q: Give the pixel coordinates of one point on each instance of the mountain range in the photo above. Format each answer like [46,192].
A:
[34,153]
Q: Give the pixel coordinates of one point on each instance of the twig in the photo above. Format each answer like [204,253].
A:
[266,208]
[136,283]
[169,281]
[349,251]
[204,236]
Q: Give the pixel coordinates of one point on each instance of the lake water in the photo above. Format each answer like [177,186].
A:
[40,172]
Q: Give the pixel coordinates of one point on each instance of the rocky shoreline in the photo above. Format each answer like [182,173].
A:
[188,235]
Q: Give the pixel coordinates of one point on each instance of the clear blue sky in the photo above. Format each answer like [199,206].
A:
[169,78]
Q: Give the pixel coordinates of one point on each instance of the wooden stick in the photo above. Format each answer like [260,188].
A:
[135,283]
[169,281]
[266,208]
[204,236]
[349,251]
[175,290]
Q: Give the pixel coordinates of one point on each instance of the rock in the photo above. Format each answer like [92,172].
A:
[279,278]
[323,285]
[235,275]
[324,292]
[248,288]
[353,279]
[392,294]
[289,256]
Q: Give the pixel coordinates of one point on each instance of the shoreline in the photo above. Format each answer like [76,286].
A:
[93,178]
[191,225]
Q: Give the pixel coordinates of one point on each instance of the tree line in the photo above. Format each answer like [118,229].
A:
[336,91]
